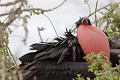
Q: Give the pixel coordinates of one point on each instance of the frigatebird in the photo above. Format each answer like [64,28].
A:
[63,58]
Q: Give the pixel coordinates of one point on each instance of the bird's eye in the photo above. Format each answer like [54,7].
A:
[78,23]
[89,22]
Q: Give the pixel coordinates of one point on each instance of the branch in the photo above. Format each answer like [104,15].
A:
[52,25]
[40,29]
[95,13]
[58,6]
[12,3]
[86,1]
[40,9]
[99,9]
[11,17]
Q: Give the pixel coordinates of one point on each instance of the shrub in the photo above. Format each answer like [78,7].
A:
[101,68]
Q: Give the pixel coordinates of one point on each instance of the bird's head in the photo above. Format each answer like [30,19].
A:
[83,21]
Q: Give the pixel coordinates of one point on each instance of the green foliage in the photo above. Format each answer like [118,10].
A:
[8,67]
[8,71]
[102,68]
[1,23]
[37,11]
[79,77]
[4,49]
[110,19]
[34,11]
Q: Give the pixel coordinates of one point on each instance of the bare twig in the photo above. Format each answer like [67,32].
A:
[40,29]
[58,5]
[17,12]
[11,3]
[51,24]
[12,56]
[4,14]
[88,6]
[40,9]
[99,9]
[95,13]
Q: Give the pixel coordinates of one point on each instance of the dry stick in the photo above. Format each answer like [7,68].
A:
[20,11]
[5,25]
[24,10]
[52,10]
[40,33]
[12,3]
[89,7]
[12,55]
[95,13]
[4,14]
[51,24]
[99,9]
[47,9]
[59,5]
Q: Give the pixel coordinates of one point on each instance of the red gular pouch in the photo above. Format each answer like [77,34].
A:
[92,39]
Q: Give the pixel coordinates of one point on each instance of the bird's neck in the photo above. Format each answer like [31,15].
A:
[84,24]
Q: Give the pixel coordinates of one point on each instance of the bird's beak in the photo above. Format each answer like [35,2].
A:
[84,21]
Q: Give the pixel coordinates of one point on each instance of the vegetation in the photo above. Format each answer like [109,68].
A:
[110,19]
[101,68]
[8,66]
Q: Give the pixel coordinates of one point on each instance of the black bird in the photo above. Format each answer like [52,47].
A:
[58,60]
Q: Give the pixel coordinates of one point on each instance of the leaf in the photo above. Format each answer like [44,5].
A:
[1,23]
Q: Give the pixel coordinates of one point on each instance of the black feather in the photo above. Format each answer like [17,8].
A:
[28,57]
[57,53]
[53,71]
[40,54]
[63,54]
[74,53]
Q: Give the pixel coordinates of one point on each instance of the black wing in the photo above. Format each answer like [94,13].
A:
[67,49]
[54,71]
